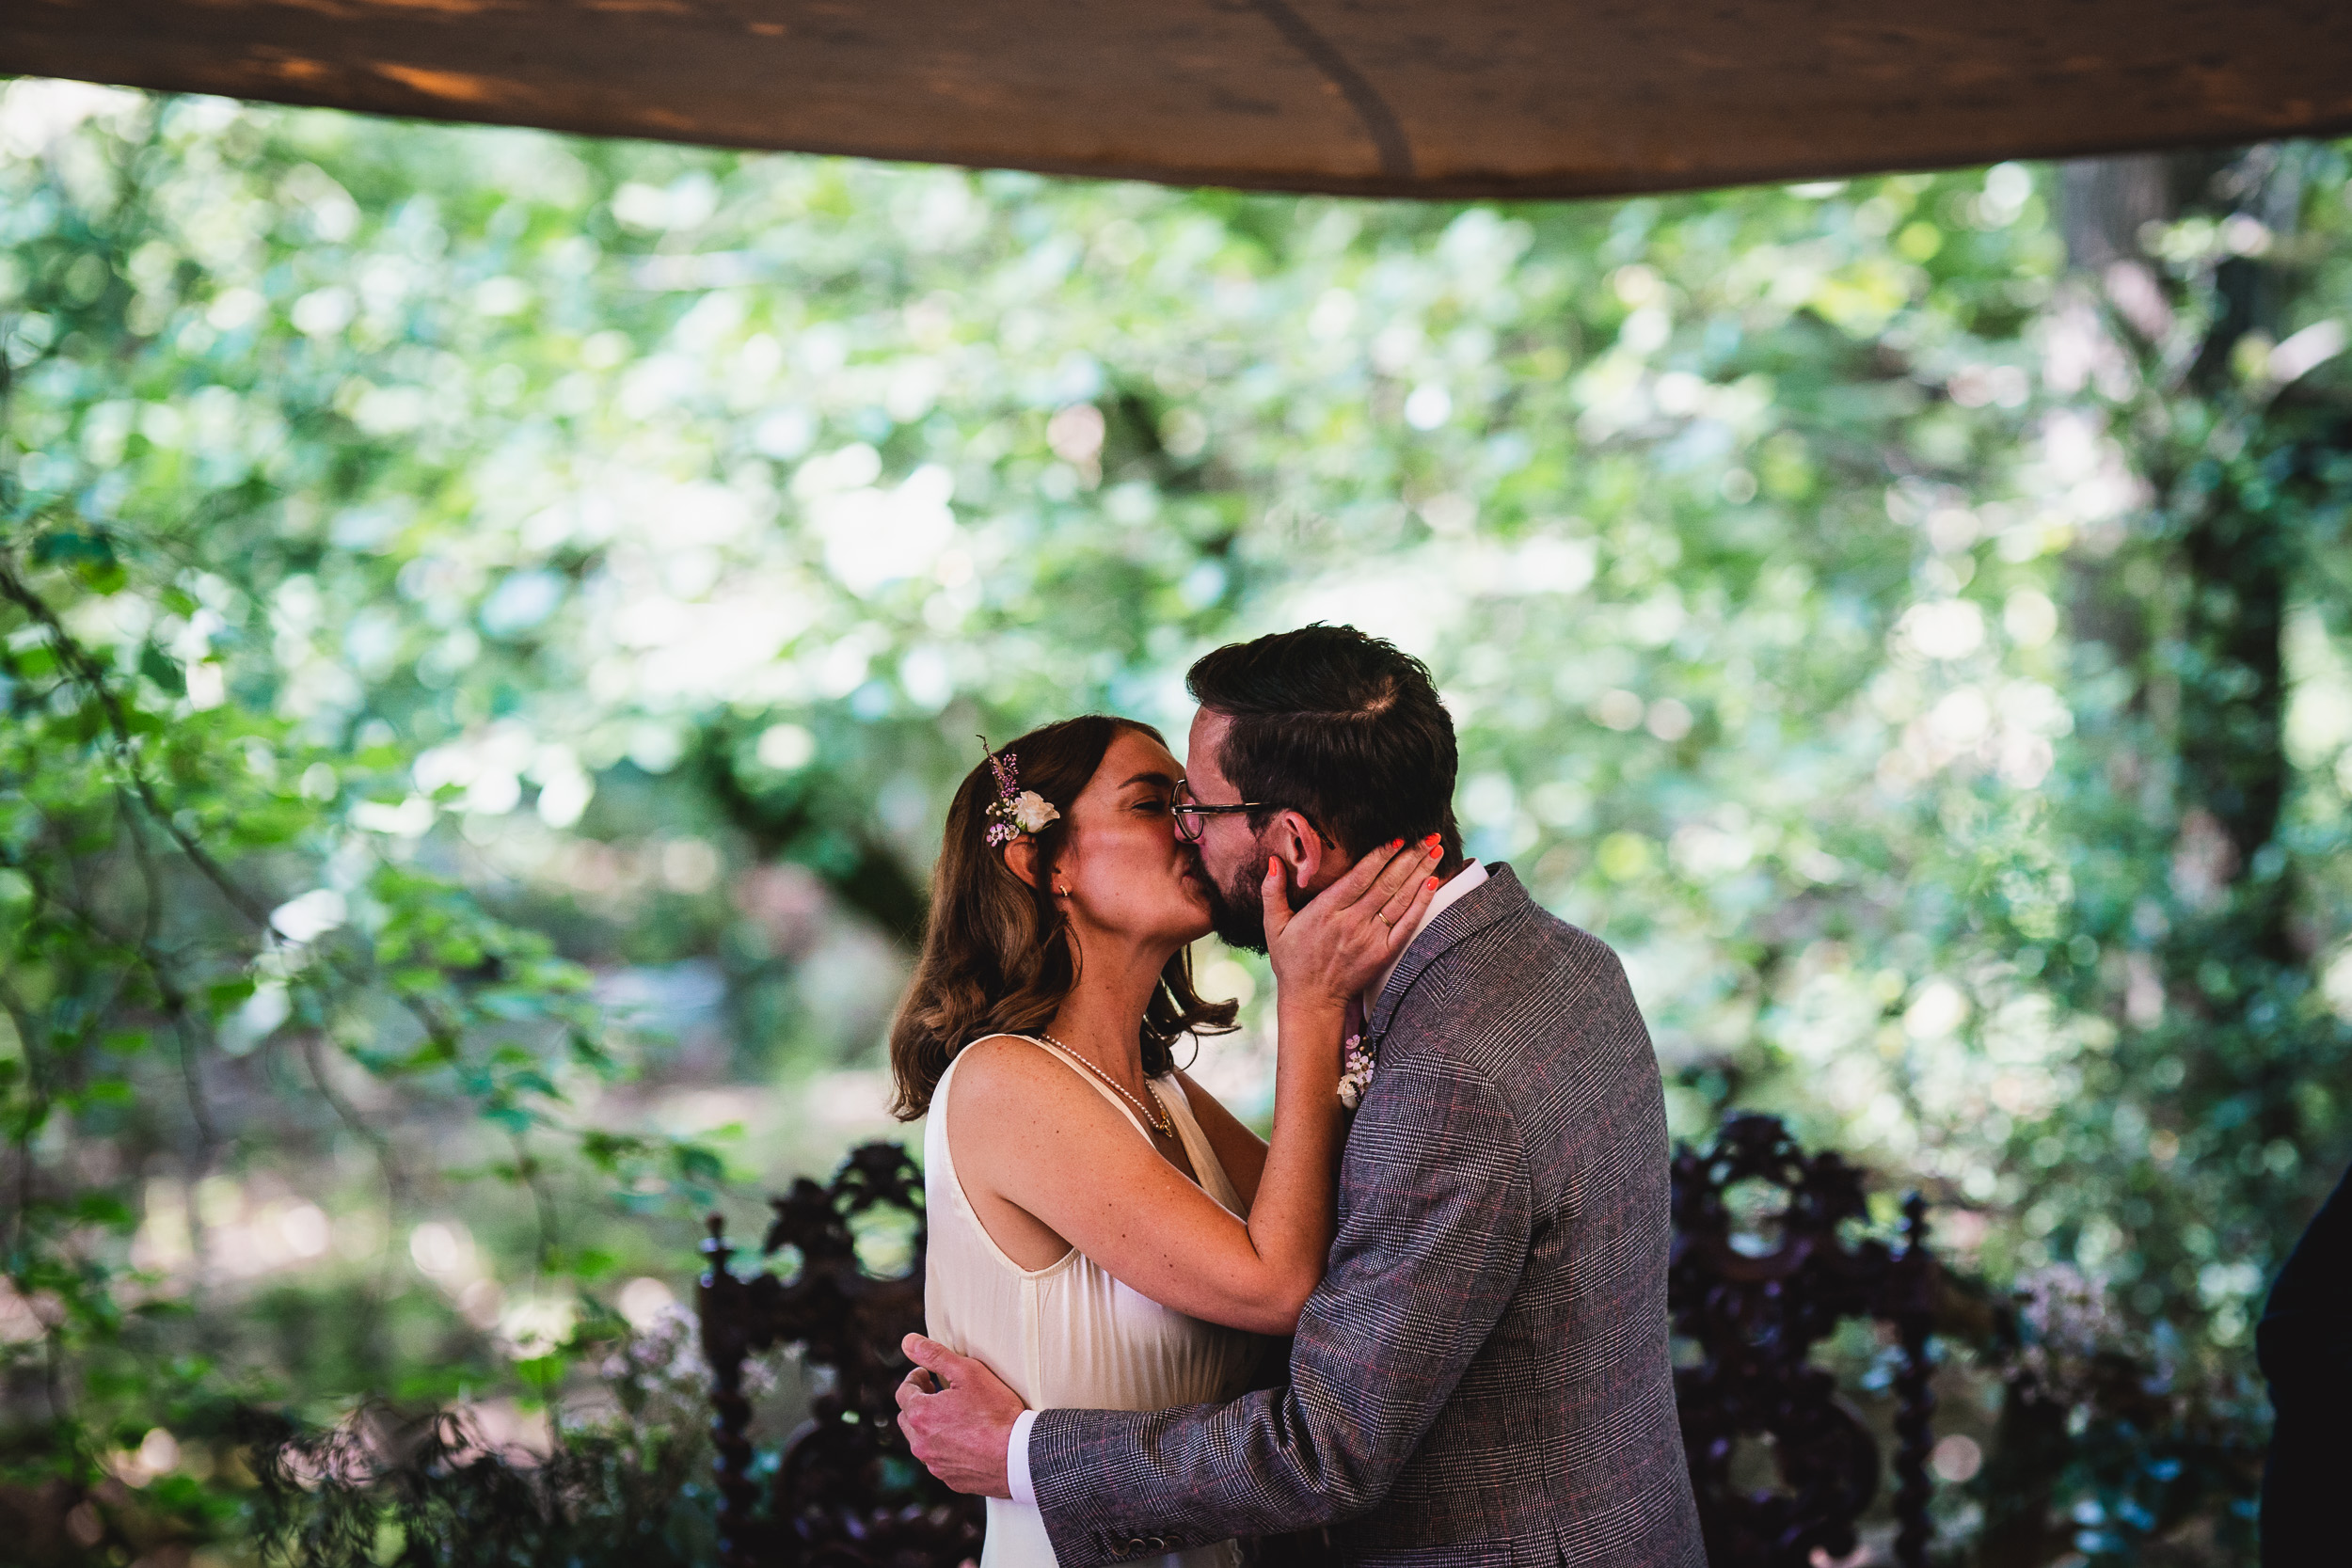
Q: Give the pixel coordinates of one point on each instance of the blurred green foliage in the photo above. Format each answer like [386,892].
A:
[491,621]
[629,1486]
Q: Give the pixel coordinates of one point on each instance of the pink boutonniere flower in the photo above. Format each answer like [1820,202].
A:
[1355,1071]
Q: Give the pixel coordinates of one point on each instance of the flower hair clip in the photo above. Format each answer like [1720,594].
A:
[1015,811]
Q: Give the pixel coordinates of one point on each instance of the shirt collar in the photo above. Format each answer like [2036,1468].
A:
[1472,876]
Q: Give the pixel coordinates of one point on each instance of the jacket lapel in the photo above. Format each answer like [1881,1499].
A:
[1499,897]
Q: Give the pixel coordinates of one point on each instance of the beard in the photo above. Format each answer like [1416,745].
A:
[1237,911]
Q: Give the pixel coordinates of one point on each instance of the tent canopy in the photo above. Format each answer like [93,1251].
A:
[1469,98]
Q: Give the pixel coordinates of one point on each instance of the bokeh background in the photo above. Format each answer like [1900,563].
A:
[491,620]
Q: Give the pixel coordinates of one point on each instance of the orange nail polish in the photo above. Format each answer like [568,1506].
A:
[1433,884]
[1433,839]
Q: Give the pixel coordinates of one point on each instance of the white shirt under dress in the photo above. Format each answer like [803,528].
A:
[1068,1336]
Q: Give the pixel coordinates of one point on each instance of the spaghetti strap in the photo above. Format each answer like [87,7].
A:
[1206,1172]
[1084,1076]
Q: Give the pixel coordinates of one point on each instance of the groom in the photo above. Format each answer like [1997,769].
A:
[1482,1377]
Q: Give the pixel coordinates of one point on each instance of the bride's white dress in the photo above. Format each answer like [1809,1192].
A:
[1068,1336]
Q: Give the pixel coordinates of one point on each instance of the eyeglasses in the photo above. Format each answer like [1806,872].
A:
[1190,814]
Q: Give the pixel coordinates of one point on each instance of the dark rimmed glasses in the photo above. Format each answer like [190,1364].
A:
[1190,814]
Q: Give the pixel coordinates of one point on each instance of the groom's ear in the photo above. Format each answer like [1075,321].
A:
[1309,859]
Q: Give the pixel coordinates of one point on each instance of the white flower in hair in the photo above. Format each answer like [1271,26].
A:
[1031,811]
[1015,811]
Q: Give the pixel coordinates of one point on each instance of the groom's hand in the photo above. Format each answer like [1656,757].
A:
[957,1417]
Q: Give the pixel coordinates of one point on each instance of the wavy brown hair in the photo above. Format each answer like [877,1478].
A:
[995,957]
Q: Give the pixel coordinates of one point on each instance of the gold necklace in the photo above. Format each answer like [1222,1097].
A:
[1155,1113]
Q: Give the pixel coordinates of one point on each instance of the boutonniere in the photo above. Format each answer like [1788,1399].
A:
[1355,1071]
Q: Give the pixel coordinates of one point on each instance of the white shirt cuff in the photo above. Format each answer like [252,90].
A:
[1017,1459]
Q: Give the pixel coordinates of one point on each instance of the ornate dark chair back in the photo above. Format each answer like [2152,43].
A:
[1753,1312]
[846,1493]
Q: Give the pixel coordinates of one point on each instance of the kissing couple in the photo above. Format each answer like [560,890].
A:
[1460,1217]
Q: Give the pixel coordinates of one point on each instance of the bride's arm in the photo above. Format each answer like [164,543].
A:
[1027,1129]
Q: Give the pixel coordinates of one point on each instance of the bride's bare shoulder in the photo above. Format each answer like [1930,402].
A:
[1007,1063]
[996,1052]
[1011,1089]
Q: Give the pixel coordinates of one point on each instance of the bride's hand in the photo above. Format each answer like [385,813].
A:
[1349,933]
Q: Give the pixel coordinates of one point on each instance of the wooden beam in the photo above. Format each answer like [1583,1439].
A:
[1470,98]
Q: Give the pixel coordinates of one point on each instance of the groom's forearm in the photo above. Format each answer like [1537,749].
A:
[1114,1484]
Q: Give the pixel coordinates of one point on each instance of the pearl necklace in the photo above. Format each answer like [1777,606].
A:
[1155,1113]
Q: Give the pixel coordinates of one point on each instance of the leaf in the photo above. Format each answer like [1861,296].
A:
[224,995]
[73,548]
[104,1209]
[587,1263]
[161,668]
[510,1004]
[103,577]
[280,822]
[608,1150]
[698,1165]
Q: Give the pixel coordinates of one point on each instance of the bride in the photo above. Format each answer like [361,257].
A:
[1103,1233]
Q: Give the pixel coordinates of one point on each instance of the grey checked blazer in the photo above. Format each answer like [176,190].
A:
[1482,1378]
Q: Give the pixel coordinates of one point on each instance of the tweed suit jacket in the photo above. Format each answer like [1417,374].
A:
[1483,1376]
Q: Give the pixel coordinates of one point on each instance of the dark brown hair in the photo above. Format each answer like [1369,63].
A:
[1344,728]
[995,959]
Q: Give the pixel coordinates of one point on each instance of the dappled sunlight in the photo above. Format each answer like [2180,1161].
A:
[549,588]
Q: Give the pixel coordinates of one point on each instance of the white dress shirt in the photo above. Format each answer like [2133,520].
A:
[1472,876]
